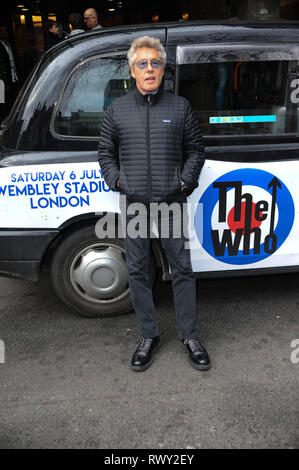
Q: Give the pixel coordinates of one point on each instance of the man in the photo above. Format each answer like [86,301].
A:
[53,34]
[91,19]
[151,150]
[76,22]
[9,73]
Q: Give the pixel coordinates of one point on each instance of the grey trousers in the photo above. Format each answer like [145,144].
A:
[183,281]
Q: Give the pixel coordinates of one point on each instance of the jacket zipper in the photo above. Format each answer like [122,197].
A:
[148,150]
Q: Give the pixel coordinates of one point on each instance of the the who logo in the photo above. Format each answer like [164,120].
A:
[247,216]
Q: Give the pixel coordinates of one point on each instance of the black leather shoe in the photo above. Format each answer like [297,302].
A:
[143,356]
[198,356]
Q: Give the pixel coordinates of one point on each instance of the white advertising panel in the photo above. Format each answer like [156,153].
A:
[242,216]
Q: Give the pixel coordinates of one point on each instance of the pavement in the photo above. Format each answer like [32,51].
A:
[66,381]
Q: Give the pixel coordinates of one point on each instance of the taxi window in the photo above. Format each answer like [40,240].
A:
[90,89]
[240,91]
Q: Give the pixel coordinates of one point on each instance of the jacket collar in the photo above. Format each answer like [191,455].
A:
[144,99]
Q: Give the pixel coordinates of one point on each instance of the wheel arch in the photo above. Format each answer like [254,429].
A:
[66,228]
[87,219]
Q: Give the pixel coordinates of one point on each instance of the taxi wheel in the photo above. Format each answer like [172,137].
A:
[90,275]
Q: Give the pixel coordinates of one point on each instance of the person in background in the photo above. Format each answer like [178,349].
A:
[3,81]
[91,19]
[53,34]
[225,74]
[234,13]
[77,24]
[9,73]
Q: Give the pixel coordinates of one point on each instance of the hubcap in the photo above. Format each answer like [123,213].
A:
[98,273]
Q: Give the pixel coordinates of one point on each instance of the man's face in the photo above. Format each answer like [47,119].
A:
[149,78]
[54,29]
[90,19]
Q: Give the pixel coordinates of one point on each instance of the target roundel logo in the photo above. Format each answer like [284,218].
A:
[247,215]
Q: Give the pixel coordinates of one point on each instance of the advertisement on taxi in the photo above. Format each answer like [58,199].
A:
[243,215]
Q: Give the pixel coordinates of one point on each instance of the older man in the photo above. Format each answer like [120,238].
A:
[91,19]
[151,150]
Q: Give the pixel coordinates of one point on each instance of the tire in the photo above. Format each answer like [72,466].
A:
[90,276]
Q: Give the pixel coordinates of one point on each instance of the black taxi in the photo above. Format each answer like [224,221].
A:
[242,80]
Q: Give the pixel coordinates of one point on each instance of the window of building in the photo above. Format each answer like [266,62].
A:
[88,93]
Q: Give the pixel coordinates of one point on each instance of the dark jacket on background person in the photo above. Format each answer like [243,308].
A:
[11,86]
[151,143]
[5,65]
[50,38]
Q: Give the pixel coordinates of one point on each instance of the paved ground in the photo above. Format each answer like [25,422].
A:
[66,381]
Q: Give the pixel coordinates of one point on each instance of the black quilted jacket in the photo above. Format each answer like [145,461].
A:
[151,143]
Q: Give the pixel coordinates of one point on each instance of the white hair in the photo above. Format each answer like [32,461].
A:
[146,41]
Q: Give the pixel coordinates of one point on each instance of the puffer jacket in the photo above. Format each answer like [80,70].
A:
[151,143]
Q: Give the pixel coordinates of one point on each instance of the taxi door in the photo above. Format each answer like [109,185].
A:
[243,213]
